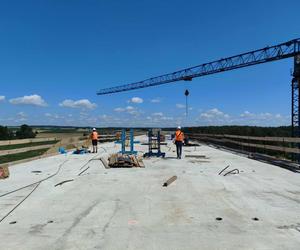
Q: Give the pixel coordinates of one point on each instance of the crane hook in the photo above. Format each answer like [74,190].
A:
[186,93]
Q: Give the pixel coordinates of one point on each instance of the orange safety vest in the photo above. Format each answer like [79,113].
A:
[94,135]
[179,136]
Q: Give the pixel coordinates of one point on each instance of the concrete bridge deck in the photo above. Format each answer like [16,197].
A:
[129,209]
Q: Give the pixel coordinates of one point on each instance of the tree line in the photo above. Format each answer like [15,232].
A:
[283,131]
[23,132]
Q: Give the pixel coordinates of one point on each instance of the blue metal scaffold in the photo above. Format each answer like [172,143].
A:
[154,143]
[123,143]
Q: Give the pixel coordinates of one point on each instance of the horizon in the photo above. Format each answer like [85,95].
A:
[90,127]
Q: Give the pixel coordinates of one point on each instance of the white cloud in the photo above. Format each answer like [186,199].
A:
[217,117]
[136,100]
[22,114]
[126,109]
[263,118]
[53,116]
[129,108]
[119,109]
[133,112]
[158,114]
[104,116]
[81,104]
[35,100]
[83,114]
[21,117]
[180,106]
[246,114]
[2,98]
[167,118]
[58,116]
[214,117]
[155,100]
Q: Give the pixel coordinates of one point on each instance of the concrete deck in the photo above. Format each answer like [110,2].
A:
[129,208]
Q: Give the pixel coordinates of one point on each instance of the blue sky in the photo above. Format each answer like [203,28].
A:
[55,55]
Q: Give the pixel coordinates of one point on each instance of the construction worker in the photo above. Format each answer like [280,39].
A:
[178,140]
[94,137]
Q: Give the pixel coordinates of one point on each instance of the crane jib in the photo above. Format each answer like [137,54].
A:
[264,55]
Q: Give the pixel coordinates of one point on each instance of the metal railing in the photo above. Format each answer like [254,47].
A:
[280,144]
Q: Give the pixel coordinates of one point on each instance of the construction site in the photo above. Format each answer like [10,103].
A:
[211,199]
[135,191]
[149,160]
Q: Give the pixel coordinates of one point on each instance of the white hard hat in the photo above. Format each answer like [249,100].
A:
[94,129]
[178,127]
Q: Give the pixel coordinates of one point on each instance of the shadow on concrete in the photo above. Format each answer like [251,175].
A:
[292,166]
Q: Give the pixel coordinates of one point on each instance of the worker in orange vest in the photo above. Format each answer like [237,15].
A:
[94,137]
[178,140]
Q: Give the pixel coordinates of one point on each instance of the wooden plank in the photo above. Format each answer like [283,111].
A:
[141,163]
[104,162]
[112,159]
[135,161]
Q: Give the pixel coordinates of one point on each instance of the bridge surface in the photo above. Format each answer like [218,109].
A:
[129,209]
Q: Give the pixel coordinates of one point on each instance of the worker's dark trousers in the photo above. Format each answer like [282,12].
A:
[95,146]
[178,148]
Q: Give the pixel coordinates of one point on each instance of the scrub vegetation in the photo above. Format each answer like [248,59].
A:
[21,156]
[24,145]
[23,132]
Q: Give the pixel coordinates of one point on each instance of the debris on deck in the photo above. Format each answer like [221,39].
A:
[63,182]
[4,172]
[82,150]
[125,161]
[169,181]
[196,156]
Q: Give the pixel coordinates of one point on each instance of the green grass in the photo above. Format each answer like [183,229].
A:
[24,145]
[21,156]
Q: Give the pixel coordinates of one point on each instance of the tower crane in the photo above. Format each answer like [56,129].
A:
[268,54]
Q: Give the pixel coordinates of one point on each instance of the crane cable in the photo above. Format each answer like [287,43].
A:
[186,93]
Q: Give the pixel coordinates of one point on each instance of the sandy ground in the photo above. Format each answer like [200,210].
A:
[59,135]
[129,208]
